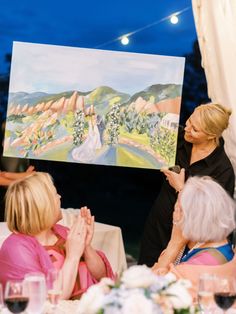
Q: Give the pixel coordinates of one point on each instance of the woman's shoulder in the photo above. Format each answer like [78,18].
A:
[17,240]
[211,256]
[18,247]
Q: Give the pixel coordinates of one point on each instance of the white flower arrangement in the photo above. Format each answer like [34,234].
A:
[138,291]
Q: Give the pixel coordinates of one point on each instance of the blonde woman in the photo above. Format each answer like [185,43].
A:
[38,243]
[200,152]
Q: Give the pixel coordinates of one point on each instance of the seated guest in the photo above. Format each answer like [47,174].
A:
[38,244]
[205,215]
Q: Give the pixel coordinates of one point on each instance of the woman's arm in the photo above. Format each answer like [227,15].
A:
[7,178]
[75,244]
[176,243]
[93,261]
[4,181]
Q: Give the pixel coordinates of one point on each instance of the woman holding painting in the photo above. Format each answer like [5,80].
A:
[200,152]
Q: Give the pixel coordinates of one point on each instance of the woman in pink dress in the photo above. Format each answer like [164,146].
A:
[38,243]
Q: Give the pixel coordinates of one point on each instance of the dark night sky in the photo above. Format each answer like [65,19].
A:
[90,24]
[120,196]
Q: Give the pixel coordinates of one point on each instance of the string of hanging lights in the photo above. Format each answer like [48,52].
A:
[124,39]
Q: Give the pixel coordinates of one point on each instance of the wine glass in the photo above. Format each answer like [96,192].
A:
[225,293]
[35,286]
[54,286]
[15,299]
[206,288]
[1,298]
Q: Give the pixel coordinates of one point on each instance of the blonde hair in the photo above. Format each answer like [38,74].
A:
[30,204]
[208,210]
[214,119]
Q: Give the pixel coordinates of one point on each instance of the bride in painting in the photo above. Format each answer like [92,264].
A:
[86,152]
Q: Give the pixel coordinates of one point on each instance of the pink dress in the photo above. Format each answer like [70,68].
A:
[84,279]
[21,254]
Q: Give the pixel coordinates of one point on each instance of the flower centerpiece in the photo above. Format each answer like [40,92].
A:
[138,291]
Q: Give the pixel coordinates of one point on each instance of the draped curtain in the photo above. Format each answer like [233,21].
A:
[215,22]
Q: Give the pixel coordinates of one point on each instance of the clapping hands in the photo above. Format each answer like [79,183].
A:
[75,242]
[89,222]
[81,233]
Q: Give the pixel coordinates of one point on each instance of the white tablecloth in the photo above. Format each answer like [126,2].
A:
[106,238]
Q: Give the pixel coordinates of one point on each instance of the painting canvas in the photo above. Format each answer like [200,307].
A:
[93,106]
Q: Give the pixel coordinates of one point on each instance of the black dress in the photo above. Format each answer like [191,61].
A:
[157,230]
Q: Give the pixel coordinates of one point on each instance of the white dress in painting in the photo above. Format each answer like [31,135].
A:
[86,152]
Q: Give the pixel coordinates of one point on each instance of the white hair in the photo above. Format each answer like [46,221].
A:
[208,210]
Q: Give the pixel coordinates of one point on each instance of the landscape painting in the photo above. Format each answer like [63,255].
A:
[93,106]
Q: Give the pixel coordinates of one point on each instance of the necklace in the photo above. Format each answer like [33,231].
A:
[196,246]
[180,254]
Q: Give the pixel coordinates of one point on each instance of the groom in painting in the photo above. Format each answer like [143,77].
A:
[101,127]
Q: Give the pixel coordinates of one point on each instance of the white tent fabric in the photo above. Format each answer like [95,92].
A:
[215,22]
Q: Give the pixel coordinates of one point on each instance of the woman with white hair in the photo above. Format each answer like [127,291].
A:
[205,215]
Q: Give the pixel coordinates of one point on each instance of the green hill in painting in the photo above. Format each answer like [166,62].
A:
[157,92]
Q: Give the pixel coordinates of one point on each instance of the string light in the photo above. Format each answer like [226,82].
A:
[128,35]
[174,19]
[124,40]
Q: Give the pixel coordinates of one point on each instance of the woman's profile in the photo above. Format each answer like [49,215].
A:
[39,244]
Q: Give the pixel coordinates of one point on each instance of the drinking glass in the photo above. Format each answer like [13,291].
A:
[54,286]
[35,285]
[1,298]
[225,293]
[15,298]
[206,288]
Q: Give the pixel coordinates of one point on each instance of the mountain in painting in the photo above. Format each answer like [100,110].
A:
[155,98]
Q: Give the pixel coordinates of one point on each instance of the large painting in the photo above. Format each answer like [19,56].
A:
[93,106]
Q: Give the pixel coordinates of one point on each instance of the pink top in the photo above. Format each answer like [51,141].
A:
[21,254]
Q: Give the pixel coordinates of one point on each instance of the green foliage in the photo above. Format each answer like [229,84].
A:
[113,124]
[114,100]
[40,138]
[68,122]
[78,127]
[129,119]
[15,118]
[163,141]
[183,311]
[141,124]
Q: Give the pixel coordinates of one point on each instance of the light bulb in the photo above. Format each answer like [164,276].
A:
[124,40]
[174,19]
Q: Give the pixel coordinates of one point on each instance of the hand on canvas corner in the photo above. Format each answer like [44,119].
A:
[176,180]
[30,169]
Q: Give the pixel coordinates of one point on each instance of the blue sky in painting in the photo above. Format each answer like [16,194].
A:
[55,69]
